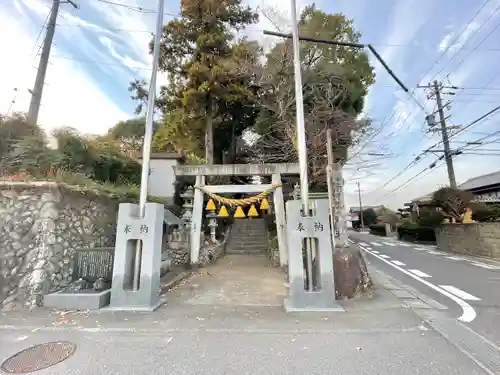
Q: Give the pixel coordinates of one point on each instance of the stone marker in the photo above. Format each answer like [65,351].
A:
[317,227]
[129,228]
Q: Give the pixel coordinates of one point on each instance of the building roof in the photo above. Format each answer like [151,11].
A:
[356,209]
[481,181]
[423,198]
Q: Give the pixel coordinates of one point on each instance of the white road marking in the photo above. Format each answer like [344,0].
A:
[368,247]
[420,273]
[404,244]
[398,263]
[468,312]
[376,244]
[388,244]
[484,265]
[459,293]
[432,252]
[363,244]
[455,258]
[375,252]
[384,256]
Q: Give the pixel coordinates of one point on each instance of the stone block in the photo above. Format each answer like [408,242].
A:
[77,301]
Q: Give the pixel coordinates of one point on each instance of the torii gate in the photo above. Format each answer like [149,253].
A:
[201,171]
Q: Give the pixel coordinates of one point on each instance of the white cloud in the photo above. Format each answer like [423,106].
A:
[453,41]
[70,96]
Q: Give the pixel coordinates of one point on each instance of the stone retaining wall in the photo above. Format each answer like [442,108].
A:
[177,247]
[481,239]
[41,223]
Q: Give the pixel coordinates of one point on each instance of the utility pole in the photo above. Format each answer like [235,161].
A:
[360,207]
[444,133]
[436,88]
[36,93]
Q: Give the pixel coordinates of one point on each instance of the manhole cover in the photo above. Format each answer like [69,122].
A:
[38,357]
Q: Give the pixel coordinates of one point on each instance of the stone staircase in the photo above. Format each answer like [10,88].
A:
[248,236]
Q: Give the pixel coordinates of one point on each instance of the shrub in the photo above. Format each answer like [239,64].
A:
[424,234]
[452,201]
[369,216]
[431,219]
[378,229]
[408,223]
[485,213]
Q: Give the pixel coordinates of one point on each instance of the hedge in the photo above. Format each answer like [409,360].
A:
[378,229]
[424,234]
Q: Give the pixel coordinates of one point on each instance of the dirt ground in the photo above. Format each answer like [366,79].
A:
[234,281]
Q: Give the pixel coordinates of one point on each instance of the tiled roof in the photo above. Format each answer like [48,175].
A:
[480,181]
[423,198]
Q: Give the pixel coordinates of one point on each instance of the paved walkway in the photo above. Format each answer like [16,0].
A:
[228,319]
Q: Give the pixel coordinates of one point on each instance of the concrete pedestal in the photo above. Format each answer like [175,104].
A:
[130,229]
[317,227]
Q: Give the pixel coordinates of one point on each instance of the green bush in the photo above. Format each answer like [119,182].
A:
[408,223]
[423,234]
[378,229]
[431,219]
[485,213]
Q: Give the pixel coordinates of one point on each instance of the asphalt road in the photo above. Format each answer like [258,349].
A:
[469,287]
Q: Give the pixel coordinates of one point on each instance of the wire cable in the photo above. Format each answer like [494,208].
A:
[457,37]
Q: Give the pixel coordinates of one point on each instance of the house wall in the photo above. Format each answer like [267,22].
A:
[162,178]
[481,239]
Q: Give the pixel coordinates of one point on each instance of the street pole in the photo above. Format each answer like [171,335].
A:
[336,199]
[301,133]
[360,207]
[331,191]
[446,141]
[36,93]
[148,136]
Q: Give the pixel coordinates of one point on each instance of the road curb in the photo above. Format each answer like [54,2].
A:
[164,288]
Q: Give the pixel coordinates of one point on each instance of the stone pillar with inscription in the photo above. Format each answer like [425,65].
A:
[339,214]
[317,227]
[130,229]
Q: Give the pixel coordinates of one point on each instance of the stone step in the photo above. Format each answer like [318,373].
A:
[249,233]
[236,251]
[251,244]
[243,243]
[247,247]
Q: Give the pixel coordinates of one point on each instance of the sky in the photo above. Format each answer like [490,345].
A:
[100,48]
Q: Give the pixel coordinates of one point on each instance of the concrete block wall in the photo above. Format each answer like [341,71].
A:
[480,239]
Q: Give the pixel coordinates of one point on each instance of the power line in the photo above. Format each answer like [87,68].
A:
[472,50]
[424,152]
[135,8]
[414,178]
[445,51]
[40,32]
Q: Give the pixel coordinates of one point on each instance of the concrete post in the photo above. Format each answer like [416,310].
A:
[149,230]
[299,230]
[196,223]
[279,211]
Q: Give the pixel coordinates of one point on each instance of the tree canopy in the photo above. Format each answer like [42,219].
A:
[335,82]
[221,86]
[209,90]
